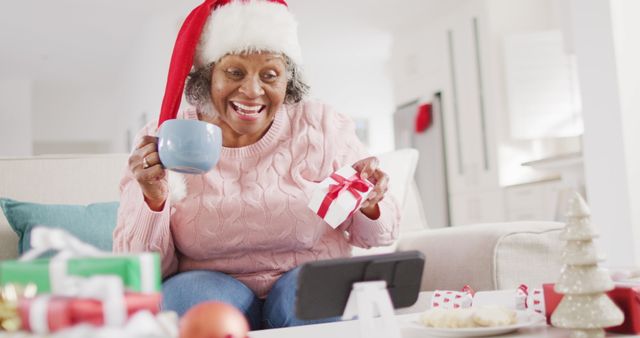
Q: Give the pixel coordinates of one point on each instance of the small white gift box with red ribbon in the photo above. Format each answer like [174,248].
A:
[338,196]
[447,299]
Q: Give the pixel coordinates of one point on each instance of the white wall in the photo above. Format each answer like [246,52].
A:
[145,74]
[82,112]
[420,67]
[626,27]
[15,117]
[348,69]
[39,117]
[607,52]
[509,17]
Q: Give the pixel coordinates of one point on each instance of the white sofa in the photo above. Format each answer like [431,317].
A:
[485,256]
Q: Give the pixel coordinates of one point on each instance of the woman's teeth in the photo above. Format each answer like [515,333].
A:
[247,110]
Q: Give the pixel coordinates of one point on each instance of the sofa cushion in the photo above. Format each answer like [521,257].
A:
[400,165]
[57,179]
[93,223]
[488,256]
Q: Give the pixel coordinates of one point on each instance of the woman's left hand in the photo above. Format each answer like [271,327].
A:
[368,169]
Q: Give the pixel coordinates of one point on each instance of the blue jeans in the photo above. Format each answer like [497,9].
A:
[187,289]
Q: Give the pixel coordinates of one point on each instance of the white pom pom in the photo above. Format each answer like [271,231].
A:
[177,187]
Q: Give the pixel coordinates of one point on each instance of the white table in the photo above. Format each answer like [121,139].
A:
[350,329]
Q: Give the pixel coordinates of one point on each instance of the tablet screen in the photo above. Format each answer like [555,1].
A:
[324,286]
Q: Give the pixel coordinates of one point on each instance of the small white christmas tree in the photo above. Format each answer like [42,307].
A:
[585,307]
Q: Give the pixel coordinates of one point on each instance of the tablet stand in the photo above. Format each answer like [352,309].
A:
[368,300]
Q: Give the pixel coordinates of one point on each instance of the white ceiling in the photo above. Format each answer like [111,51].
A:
[66,40]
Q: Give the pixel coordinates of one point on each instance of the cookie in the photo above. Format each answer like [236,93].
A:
[448,318]
[432,317]
[490,316]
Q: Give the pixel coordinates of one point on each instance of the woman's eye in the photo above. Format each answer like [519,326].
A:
[269,76]
[234,73]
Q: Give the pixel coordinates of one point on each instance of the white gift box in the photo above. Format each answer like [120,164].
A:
[521,298]
[531,300]
[451,299]
[339,195]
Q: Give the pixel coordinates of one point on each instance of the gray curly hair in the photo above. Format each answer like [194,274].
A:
[198,87]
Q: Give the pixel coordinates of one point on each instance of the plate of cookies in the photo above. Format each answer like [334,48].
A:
[471,322]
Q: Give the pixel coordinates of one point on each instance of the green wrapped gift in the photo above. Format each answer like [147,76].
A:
[140,272]
[74,258]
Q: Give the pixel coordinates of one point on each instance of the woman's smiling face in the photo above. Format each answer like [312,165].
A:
[247,90]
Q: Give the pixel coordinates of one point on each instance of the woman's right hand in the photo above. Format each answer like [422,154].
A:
[145,166]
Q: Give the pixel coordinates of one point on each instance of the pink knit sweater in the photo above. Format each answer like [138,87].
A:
[248,217]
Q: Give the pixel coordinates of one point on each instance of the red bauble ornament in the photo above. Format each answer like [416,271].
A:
[213,320]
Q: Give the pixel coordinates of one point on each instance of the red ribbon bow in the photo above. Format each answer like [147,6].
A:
[523,291]
[468,290]
[354,184]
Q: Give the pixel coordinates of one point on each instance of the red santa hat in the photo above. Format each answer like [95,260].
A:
[220,27]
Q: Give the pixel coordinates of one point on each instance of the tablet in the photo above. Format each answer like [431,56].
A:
[324,286]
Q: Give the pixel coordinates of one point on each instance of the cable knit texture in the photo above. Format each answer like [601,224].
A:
[248,217]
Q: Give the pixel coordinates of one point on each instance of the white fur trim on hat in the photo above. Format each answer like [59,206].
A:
[248,26]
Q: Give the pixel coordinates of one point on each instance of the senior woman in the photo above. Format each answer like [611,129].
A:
[237,233]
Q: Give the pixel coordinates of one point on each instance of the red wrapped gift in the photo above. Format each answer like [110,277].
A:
[58,314]
[627,298]
[551,300]
[90,310]
[62,312]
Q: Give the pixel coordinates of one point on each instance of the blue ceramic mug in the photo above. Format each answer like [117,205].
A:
[189,146]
